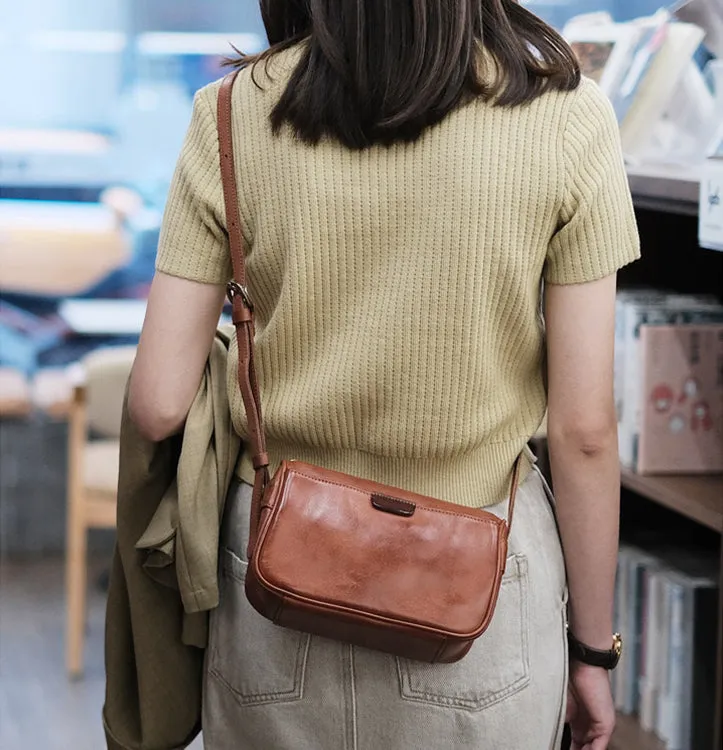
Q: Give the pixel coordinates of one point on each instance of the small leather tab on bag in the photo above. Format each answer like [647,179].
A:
[394,505]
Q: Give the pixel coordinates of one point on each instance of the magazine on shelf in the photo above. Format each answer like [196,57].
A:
[657,68]
[634,311]
[653,638]
[682,134]
[710,232]
[651,37]
[624,297]
[685,716]
[673,697]
[663,645]
[638,562]
[647,68]
[700,676]
[687,699]
[667,675]
[715,150]
[603,50]
[682,415]
[629,611]
[621,612]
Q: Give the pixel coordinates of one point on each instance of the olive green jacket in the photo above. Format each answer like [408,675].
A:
[164,576]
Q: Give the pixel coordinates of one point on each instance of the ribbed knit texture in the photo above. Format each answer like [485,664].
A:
[397,290]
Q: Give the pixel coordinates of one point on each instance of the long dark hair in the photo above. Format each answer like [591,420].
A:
[382,71]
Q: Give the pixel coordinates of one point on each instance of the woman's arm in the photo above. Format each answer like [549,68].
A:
[178,331]
[582,438]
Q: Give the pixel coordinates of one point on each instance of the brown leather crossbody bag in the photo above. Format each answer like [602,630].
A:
[347,558]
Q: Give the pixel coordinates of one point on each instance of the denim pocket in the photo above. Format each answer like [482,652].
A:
[259,662]
[497,666]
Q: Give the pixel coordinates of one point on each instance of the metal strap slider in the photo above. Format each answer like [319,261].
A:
[234,289]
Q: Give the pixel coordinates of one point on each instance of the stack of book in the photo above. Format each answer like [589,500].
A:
[666,608]
[647,69]
[669,382]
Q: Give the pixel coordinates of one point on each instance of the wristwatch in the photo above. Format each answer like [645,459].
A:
[595,657]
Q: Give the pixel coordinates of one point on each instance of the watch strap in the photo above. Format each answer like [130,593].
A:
[605,659]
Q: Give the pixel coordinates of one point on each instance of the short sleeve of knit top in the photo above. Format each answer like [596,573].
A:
[193,243]
[597,232]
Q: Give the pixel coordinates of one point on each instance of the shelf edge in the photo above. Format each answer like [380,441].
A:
[673,501]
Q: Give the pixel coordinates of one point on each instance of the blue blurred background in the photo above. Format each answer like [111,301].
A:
[96,96]
[83,54]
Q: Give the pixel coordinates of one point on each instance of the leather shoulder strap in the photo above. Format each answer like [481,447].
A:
[243,313]
[242,308]
[228,177]
[513,491]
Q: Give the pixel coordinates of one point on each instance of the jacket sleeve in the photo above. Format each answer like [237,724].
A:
[153,680]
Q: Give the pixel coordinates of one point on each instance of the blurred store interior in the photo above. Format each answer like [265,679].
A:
[95,98]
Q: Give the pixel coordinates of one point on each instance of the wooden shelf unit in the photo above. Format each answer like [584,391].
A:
[666,189]
[699,498]
[666,200]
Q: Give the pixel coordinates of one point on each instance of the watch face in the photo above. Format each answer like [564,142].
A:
[617,646]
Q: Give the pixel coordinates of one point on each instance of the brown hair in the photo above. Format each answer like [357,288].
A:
[382,71]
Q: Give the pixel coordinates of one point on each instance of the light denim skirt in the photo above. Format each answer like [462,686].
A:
[268,688]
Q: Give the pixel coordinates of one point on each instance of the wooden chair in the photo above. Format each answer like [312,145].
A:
[95,410]
[14,394]
[52,392]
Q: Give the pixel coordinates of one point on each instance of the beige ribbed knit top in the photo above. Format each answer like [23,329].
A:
[397,290]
